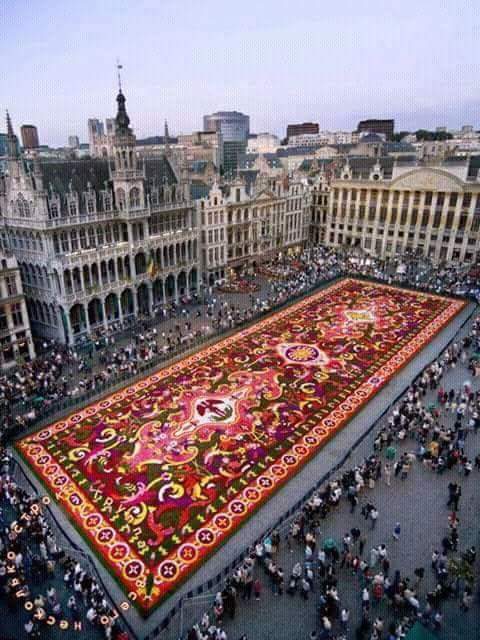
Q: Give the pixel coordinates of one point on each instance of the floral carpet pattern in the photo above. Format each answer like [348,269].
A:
[158,475]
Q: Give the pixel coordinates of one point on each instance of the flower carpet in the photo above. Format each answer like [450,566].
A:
[239,285]
[156,476]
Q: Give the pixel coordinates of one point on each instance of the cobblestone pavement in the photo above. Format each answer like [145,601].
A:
[419,504]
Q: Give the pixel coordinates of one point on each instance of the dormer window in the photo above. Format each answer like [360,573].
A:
[90,205]
[107,202]
[54,210]
[134,198]
[22,207]
[72,208]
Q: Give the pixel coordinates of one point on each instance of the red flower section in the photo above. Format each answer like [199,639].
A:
[158,475]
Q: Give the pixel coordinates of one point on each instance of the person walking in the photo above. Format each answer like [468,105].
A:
[387,473]
[396,531]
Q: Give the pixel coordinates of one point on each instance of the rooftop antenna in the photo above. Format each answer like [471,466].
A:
[119,66]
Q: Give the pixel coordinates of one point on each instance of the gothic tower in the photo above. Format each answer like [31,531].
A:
[128,178]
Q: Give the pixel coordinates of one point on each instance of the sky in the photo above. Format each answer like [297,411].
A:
[279,61]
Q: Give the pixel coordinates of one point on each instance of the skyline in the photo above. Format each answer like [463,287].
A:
[330,65]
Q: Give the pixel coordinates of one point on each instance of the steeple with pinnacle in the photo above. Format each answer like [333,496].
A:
[128,178]
[12,142]
[166,138]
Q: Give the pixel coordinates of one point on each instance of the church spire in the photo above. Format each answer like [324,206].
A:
[166,137]
[12,143]
[122,120]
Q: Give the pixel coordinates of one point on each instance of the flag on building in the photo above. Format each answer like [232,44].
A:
[151,268]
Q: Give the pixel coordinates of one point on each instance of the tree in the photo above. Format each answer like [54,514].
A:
[398,137]
[461,570]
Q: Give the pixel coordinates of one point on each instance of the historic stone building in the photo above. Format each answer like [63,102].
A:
[98,240]
[242,229]
[15,335]
[390,207]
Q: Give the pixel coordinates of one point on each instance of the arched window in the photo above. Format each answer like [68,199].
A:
[72,208]
[90,205]
[64,240]
[22,206]
[74,240]
[120,197]
[134,197]
[107,202]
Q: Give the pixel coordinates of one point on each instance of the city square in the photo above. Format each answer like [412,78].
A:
[172,438]
[239,321]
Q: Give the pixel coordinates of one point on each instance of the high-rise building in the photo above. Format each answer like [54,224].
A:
[301,129]
[235,128]
[384,127]
[73,142]
[29,135]
[233,125]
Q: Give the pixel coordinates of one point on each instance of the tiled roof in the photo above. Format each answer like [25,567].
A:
[60,173]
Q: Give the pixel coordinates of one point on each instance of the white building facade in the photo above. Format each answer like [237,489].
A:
[15,334]
[100,240]
[432,211]
[240,230]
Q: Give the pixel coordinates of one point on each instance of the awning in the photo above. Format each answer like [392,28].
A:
[419,632]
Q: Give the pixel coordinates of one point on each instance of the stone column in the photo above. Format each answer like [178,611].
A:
[104,313]
[150,296]
[175,288]
[82,279]
[69,327]
[87,319]
[135,302]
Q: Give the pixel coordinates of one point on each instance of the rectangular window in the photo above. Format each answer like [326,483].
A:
[463,222]
[11,283]
[453,199]
[3,319]
[17,317]
[6,349]
[467,199]
[428,198]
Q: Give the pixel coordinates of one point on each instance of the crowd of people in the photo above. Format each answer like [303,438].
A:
[30,557]
[32,562]
[62,372]
[417,431]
